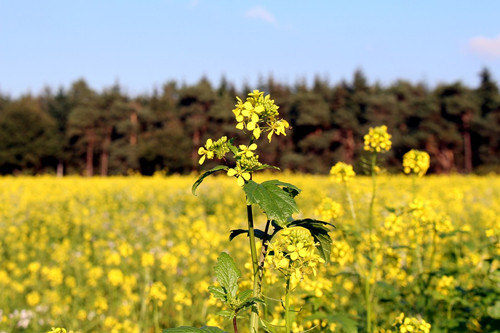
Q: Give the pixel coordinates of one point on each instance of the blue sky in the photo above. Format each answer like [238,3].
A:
[143,44]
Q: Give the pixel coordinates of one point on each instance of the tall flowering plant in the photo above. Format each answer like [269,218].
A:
[292,247]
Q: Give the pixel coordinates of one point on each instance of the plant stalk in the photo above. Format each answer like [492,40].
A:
[349,199]
[254,315]
[288,322]
[235,325]
[368,282]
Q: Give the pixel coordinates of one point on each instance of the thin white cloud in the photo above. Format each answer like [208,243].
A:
[486,47]
[262,14]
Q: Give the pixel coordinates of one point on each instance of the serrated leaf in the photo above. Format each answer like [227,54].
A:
[226,313]
[244,295]
[250,302]
[257,232]
[227,274]
[218,292]
[188,329]
[319,231]
[205,175]
[276,203]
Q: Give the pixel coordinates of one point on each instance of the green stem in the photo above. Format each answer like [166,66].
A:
[288,321]
[254,316]
[372,201]
[156,318]
[143,317]
[368,283]
[448,315]
[414,187]
[349,199]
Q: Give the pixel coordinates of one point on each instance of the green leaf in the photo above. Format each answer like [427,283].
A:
[257,232]
[227,274]
[205,175]
[218,293]
[231,147]
[319,231]
[276,202]
[494,311]
[187,329]
[244,295]
[250,302]
[226,313]
[267,166]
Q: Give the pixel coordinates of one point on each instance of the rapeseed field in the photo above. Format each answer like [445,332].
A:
[136,254]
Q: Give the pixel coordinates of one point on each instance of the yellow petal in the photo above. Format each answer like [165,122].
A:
[256,132]
[202,159]
[231,172]
[245,175]
[240,181]
[255,117]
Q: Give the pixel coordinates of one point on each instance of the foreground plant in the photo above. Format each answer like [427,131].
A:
[301,245]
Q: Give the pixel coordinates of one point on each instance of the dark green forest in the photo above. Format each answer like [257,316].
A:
[81,131]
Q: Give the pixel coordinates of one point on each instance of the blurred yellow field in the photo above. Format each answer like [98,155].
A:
[135,254]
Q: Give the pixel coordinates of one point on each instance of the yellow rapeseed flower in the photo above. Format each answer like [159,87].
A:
[416,162]
[33,298]
[377,139]
[342,172]
[115,277]
[242,175]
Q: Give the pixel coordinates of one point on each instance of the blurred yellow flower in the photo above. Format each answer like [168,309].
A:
[377,139]
[416,162]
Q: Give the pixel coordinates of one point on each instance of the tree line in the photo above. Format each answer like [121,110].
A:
[81,131]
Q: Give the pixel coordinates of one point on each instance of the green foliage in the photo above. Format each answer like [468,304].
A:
[205,175]
[227,274]
[274,197]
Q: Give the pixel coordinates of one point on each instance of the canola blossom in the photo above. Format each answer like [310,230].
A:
[106,254]
[259,113]
[342,172]
[377,139]
[416,162]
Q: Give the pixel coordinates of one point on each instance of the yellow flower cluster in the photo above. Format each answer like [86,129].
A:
[342,172]
[377,139]
[416,162]
[411,324]
[158,292]
[57,330]
[329,210]
[259,111]
[446,285]
[293,253]
[212,148]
